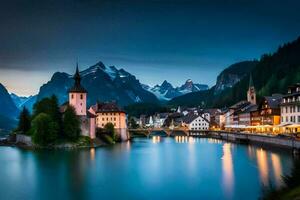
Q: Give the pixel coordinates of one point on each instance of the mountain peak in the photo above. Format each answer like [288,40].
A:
[166,84]
[189,81]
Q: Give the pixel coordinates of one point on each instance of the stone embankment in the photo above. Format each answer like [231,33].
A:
[287,142]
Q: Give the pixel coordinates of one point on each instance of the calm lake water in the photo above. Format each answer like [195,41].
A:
[157,168]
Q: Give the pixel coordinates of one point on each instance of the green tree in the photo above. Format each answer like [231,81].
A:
[45,130]
[50,107]
[110,130]
[71,124]
[24,124]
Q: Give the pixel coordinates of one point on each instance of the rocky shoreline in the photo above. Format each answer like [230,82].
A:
[12,141]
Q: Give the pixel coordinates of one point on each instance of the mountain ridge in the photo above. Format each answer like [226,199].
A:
[166,91]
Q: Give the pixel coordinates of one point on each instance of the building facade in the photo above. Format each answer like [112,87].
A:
[290,109]
[110,113]
[268,111]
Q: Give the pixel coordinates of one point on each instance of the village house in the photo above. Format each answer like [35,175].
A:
[196,122]
[109,112]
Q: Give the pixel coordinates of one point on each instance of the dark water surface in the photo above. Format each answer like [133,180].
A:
[157,168]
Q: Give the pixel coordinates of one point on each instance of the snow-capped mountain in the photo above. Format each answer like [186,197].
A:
[166,91]
[102,83]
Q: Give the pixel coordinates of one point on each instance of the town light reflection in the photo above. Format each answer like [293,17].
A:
[227,166]
[186,139]
[156,139]
[262,162]
[92,154]
[277,169]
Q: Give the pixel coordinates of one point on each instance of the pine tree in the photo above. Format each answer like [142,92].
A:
[24,121]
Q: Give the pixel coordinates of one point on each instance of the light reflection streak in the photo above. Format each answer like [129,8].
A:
[156,139]
[262,162]
[227,166]
[92,154]
[277,169]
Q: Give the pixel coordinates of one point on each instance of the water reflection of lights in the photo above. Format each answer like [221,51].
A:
[128,145]
[214,141]
[185,139]
[92,153]
[227,166]
[251,152]
[262,162]
[277,168]
[156,139]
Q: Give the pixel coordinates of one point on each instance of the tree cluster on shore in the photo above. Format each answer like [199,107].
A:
[47,125]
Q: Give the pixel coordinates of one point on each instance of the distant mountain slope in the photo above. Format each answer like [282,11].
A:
[8,108]
[21,101]
[102,83]
[8,112]
[6,124]
[272,74]
[18,100]
[166,91]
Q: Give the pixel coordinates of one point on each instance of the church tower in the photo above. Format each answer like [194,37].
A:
[251,94]
[78,95]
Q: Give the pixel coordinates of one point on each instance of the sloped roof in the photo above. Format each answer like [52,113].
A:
[248,109]
[273,101]
[189,118]
[77,87]
[239,105]
[107,107]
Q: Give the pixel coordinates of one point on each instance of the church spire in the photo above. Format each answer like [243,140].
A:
[251,94]
[77,77]
[251,81]
[77,87]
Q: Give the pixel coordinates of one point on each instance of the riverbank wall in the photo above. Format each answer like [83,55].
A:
[291,143]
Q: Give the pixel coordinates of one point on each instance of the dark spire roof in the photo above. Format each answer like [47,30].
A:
[251,81]
[77,87]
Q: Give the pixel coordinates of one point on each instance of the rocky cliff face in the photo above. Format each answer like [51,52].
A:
[233,74]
